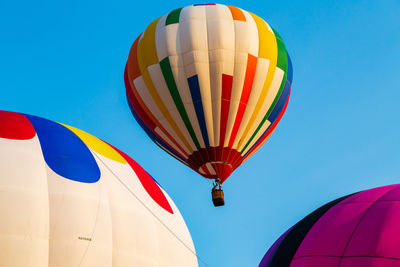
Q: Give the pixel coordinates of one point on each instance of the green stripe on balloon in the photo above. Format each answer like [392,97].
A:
[173,16]
[282,63]
[266,115]
[173,89]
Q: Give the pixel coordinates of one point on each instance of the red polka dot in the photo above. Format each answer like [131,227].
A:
[15,126]
[148,182]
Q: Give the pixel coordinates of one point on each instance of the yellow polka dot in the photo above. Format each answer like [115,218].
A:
[97,145]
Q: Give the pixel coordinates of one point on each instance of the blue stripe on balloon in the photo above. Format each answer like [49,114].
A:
[64,152]
[275,112]
[198,105]
[281,103]
[149,133]
[289,71]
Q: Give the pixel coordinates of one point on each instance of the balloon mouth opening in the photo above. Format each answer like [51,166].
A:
[217,169]
[215,162]
[215,165]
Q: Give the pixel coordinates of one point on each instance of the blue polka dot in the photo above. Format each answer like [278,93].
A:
[64,152]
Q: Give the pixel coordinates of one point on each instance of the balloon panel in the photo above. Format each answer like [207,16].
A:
[208,84]
[55,214]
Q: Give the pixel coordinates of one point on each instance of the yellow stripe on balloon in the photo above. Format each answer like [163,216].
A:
[268,49]
[147,53]
[147,56]
[97,145]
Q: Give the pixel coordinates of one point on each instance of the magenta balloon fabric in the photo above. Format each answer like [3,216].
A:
[362,229]
[274,246]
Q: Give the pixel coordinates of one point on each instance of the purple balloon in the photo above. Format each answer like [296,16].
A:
[361,229]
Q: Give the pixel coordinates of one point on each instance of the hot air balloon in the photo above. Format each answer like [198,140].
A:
[69,199]
[209,84]
[361,229]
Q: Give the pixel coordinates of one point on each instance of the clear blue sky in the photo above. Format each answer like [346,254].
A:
[340,134]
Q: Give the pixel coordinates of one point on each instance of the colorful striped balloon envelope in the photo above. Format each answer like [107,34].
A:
[209,84]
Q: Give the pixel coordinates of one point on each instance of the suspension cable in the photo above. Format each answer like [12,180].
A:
[151,212]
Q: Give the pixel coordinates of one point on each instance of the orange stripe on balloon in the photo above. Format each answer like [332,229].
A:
[268,49]
[237,14]
[132,65]
[244,98]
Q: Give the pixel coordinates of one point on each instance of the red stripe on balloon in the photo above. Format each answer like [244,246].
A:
[205,170]
[148,121]
[147,182]
[224,171]
[15,126]
[132,71]
[225,103]
[135,103]
[219,153]
[248,84]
